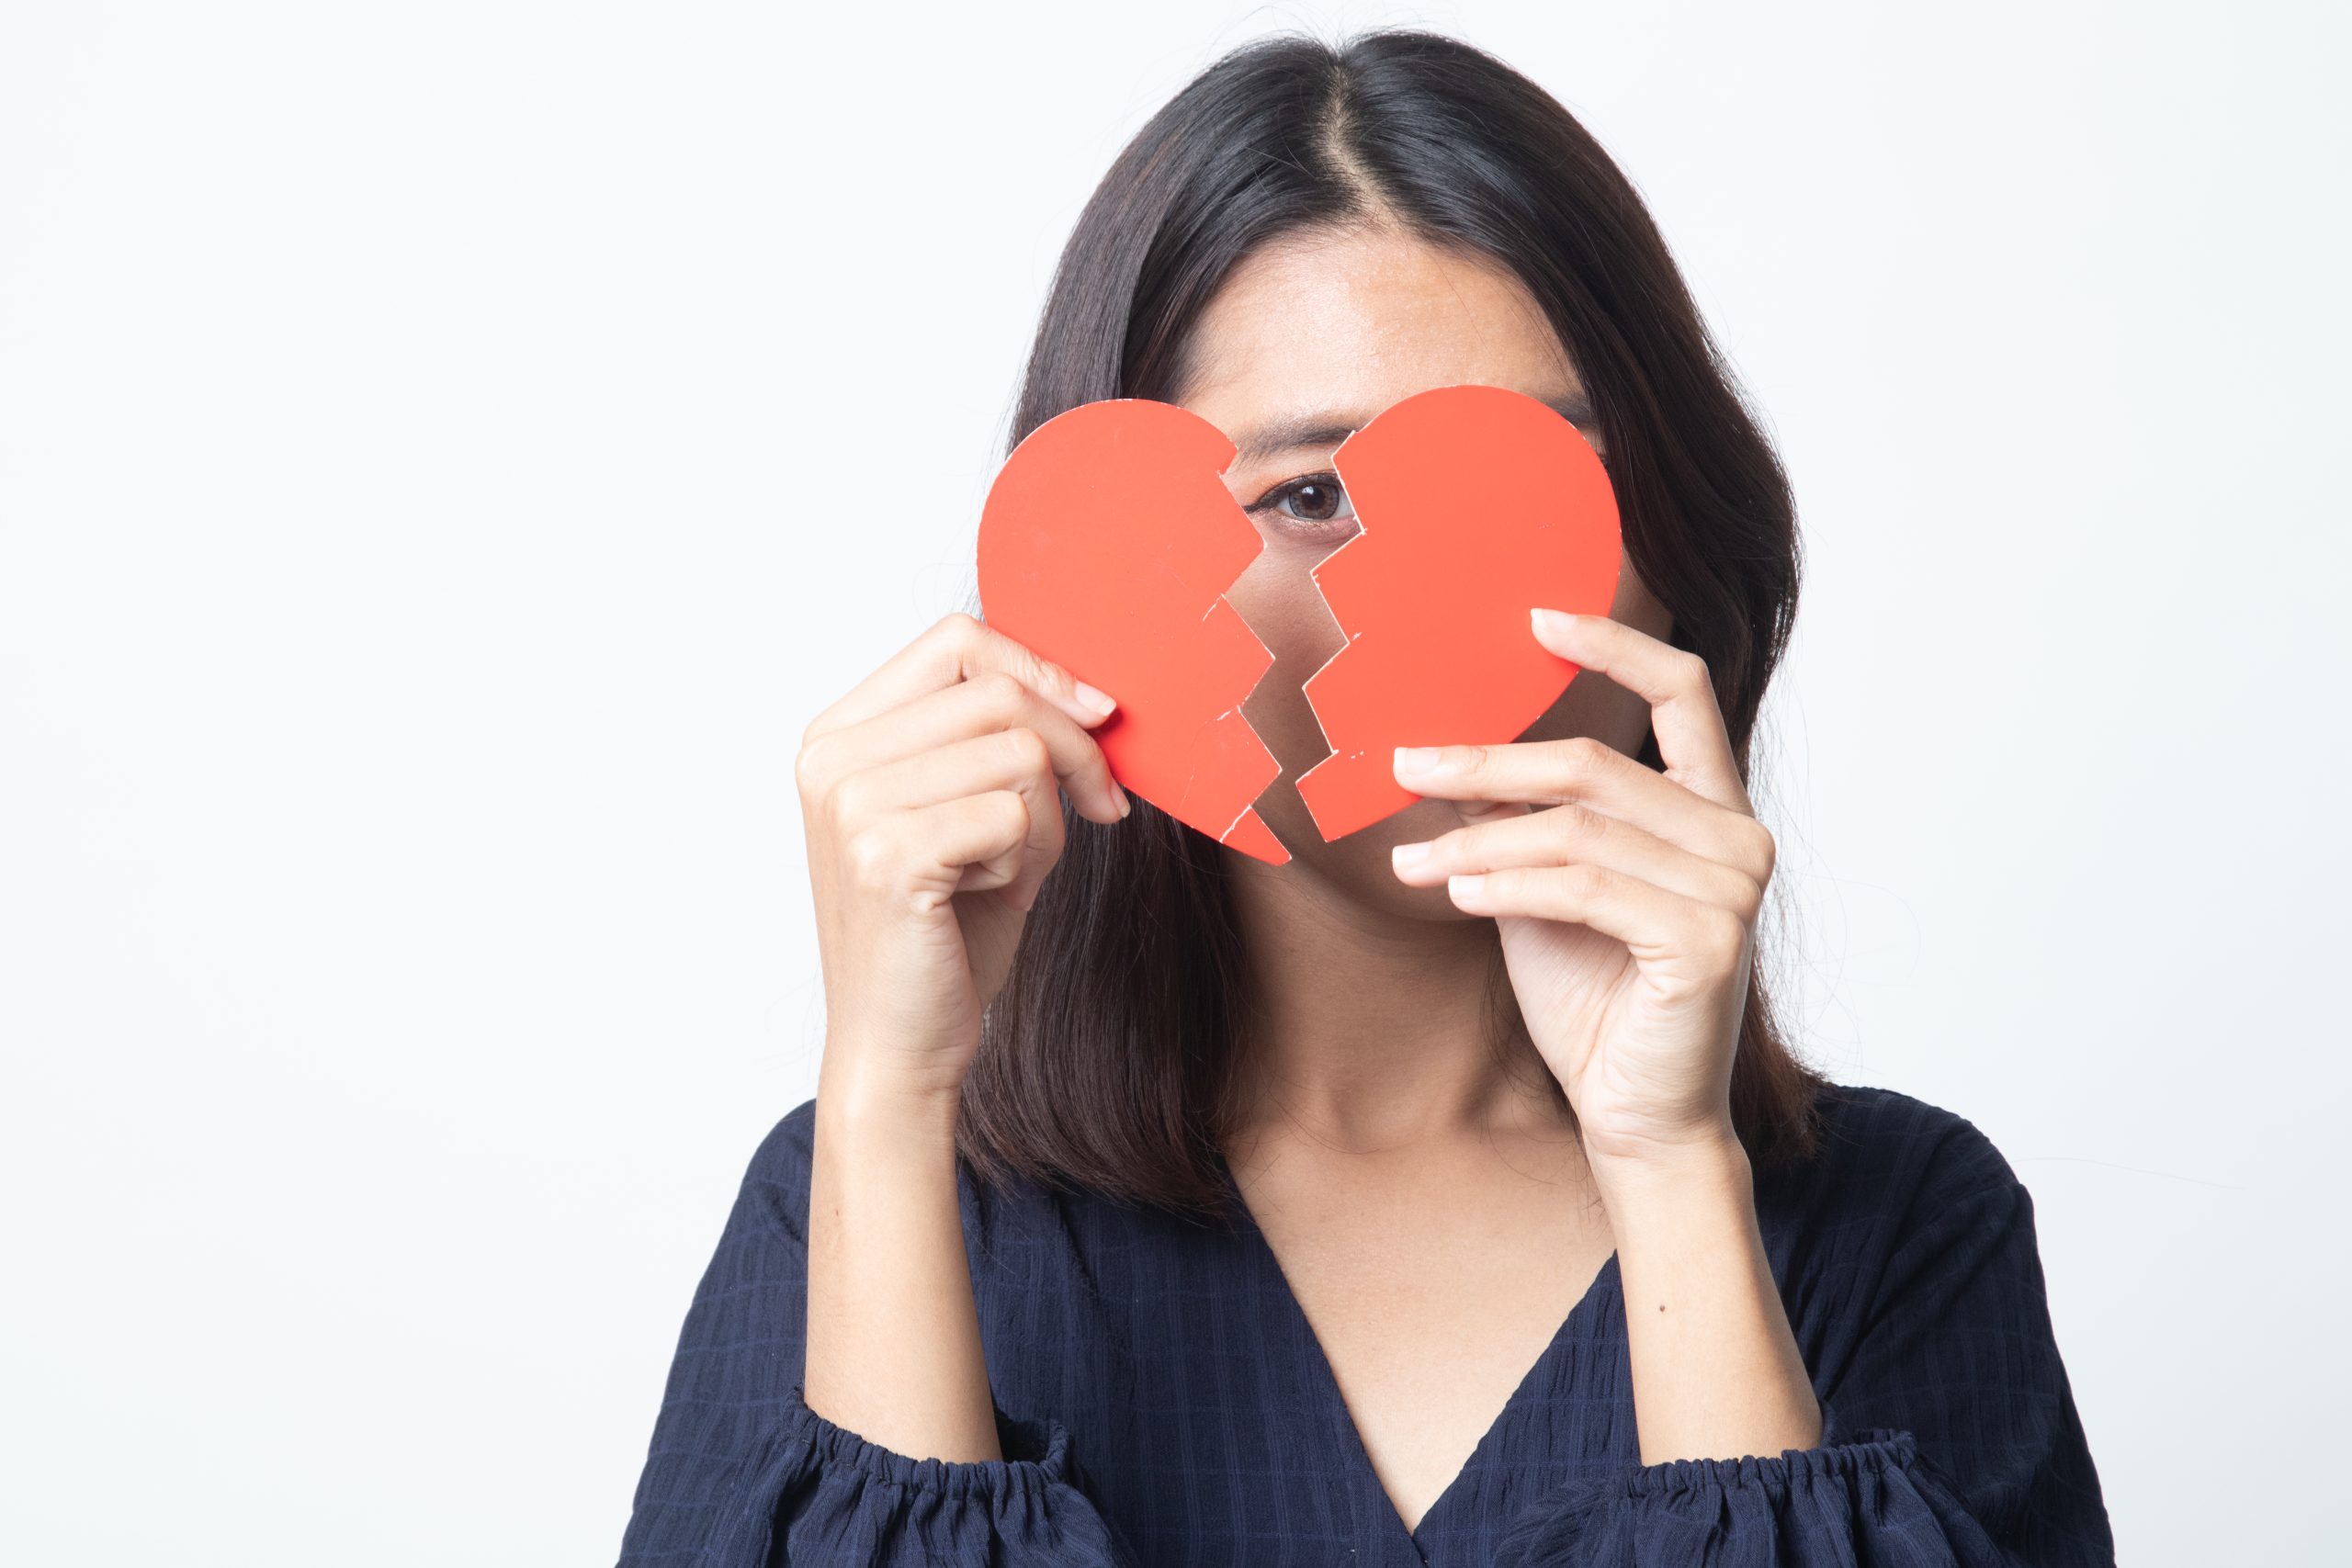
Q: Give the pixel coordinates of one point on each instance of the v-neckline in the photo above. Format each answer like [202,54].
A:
[1351,1436]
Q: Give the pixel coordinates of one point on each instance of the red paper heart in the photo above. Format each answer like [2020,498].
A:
[1109,537]
[1106,544]
[1477,503]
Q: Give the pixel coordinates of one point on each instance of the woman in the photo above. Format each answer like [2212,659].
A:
[1446,1196]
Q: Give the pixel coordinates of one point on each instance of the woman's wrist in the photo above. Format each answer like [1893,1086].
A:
[883,1111]
[1701,1204]
[1655,1177]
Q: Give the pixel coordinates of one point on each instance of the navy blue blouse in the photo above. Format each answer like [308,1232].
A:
[1162,1398]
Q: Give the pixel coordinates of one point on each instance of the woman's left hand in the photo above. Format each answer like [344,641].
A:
[1627,906]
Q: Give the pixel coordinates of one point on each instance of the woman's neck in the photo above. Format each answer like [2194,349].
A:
[1371,1031]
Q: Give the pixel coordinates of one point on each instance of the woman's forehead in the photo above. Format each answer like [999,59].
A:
[1346,324]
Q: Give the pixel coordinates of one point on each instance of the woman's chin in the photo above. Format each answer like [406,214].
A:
[1358,867]
[1361,862]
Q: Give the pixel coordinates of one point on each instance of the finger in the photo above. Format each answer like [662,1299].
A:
[956,648]
[1586,770]
[925,855]
[1022,870]
[1577,835]
[1659,927]
[1003,758]
[1691,739]
[989,701]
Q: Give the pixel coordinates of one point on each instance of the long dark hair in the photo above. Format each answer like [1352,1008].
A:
[1107,1060]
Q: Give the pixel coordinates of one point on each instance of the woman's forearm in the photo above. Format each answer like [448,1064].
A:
[893,1333]
[1717,1370]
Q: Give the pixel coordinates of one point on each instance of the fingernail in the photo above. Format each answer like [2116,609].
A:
[1416,759]
[1405,856]
[1464,886]
[1119,795]
[1100,701]
[1558,622]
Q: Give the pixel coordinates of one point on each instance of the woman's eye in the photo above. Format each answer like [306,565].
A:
[1318,499]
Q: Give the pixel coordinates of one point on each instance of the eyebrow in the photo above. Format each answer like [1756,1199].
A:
[1326,429]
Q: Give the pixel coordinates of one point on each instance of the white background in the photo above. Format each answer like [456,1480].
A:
[448,452]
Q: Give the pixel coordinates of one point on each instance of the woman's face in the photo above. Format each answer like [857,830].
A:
[1325,330]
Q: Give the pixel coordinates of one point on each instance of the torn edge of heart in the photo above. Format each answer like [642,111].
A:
[1257,839]
[1349,638]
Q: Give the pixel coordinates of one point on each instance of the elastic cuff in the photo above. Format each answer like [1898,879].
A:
[1877,1449]
[1036,1455]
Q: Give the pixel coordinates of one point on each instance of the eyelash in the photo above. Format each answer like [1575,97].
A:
[1273,498]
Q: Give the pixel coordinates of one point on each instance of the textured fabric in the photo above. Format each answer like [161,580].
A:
[1161,1399]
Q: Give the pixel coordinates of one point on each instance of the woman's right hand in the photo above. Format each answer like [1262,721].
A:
[931,795]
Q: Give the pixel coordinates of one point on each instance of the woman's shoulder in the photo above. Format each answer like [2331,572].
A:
[783,1156]
[1884,1135]
[1888,1166]
[779,1174]
[1020,1230]
[772,1189]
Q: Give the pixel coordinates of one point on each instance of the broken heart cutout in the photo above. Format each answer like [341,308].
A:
[1109,538]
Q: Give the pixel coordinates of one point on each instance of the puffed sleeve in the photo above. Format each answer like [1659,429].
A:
[741,1472]
[1949,1433]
